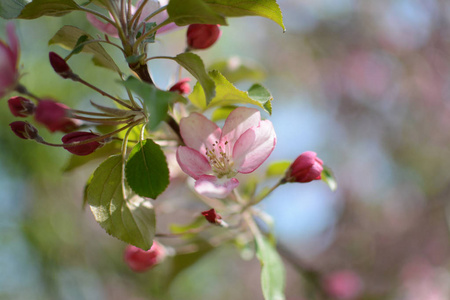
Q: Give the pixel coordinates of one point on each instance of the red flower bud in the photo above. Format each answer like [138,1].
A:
[79,136]
[140,260]
[60,65]
[212,217]
[24,130]
[181,86]
[202,36]
[307,167]
[21,107]
[54,116]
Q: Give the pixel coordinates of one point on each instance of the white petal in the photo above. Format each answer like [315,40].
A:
[192,162]
[238,122]
[253,147]
[212,187]
[198,132]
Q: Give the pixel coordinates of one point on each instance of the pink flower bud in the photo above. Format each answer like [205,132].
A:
[212,217]
[307,167]
[140,260]
[60,65]
[181,86]
[24,130]
[79,136]
[54,116]
[202,36]
[21,107]
[344,285]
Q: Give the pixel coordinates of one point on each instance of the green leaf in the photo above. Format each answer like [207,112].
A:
[272,269]
[68,36]
[237,8]
[196,223]
[277,168]
[227,95]
[194,65]
[79,45]
[146,170]
[39,8]
[156,101]
[130,220]
[185,12]
[148,27]
[234,70]
[329,178]
[85,193]
[10,9]
[222,113]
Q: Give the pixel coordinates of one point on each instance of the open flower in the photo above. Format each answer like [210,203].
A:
[9,57]
[213,156]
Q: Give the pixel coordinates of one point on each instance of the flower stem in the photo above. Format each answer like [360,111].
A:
[97,139]
[78,79]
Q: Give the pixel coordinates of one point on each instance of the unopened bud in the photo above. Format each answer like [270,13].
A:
[24,130]
[54,116]
[214,218]
[140,260]
[307,167]
[202,36]
[60,65]
[21,107]
[79,136]
[181,86]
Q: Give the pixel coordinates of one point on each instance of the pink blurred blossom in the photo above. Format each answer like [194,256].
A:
[148,9]
[140,260]
[343,285]
[9,58]
[213,156]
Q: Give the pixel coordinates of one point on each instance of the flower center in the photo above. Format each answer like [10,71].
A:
[220,159]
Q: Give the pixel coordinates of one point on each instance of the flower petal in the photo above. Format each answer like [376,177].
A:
[238,122]
[107,28]
[253,147]
[148,9]
[198,132]
[192,162]
[13,42]
[8,71]
[210,186]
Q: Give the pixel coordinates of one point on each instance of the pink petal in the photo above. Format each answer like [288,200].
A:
[210,186]
[8,70]
[13,42]
[198,132]
[253,147]
[238,122]
[107,28]
[148,9]
[192,162]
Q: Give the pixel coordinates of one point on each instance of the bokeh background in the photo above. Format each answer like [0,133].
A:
[365,84]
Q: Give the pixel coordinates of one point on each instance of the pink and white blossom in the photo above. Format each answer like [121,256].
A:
[147,10]
[9,58]
[213,156]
